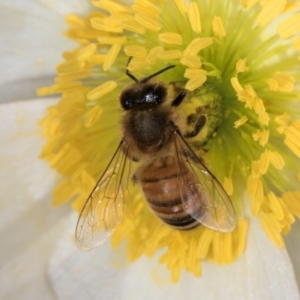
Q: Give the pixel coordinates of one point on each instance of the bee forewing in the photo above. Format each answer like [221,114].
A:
[207,201]
[103,210]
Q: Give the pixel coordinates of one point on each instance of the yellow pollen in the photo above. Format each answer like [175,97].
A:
[282,82]
[277,160]
[228,186]
[240,122]
[72,76]
[86,52]
[70,66]
[96,59]
[248,3]
[292,137]
[275,206]
[271,9]
[181,6]
[74,21]
[145,7]
[264,161]
[197,78]
[272,228]
[291,199]
[296,43]
[194,17]
[112,40]
[111,6]
[283,121]
[236,85]
[111,56]
[134,26]
[64,191]
[191,61]
[153,54]
[241,66]
[170,38]
[137,63]
[262,137]
[148,22]
[101,90]
[92,116]
[58,88]
[135,51]
[289,27]
[169,55]
[218,27]
[256,192]
[99,23]
[197,44]
[239,237]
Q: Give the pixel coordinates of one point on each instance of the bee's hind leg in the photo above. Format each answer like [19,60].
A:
[199,124]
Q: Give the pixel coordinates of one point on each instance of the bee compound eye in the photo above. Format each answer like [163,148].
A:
[127,100]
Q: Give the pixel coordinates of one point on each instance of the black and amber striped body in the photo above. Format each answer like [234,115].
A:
[160,182]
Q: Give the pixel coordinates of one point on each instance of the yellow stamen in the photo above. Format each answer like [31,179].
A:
[86,52]
[256,193]
[145,7]
[112,40]
[111,56]
[169,55]
[264,161]
[248,3]
[289,27]
[153,54]
[170,38]
[276,160]
[98,23]
[92,116]
[72,76]
[194,17]
[218,27]
[282,82]
[271,9]
[228,186]
[196,81]
[63,192]
[111,6]
[262,137]
[240,122]
[191,61]
[135,51]
[181,6]
[197,44]
[272,228]
[101,90]
[236,85]
[296,43]
[134,26]
[291,199]
[148,22]
[96,59]
[241,66]
[240,237]
[275,206]
[292,134]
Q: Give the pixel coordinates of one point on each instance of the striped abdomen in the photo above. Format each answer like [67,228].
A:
[160,182]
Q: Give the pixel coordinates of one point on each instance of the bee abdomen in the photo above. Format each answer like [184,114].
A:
[161,188]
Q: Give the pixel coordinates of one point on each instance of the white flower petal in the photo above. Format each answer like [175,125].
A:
[31,43]
[263,272]
[29,226]
[293,245]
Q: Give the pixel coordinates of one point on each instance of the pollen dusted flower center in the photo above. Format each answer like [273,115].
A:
[238,61]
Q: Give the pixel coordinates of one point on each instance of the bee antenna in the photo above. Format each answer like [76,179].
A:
[157,73]
[149,77]
[127,71]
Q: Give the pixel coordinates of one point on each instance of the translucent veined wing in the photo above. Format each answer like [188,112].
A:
[103,210]
[202,195]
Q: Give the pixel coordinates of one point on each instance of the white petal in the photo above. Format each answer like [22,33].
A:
[293,245]
[29,226]
[31,43]
[263,272]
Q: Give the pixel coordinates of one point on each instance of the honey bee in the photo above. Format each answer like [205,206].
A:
[178,187]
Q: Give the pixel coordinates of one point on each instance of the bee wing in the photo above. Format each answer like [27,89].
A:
[202,195]
[103,209]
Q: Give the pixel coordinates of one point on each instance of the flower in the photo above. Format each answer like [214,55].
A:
[248,81]
[38,255]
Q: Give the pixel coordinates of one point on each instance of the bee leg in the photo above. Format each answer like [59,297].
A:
[179,98]
[199,125]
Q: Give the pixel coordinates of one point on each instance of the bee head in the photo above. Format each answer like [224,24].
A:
[144,93]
